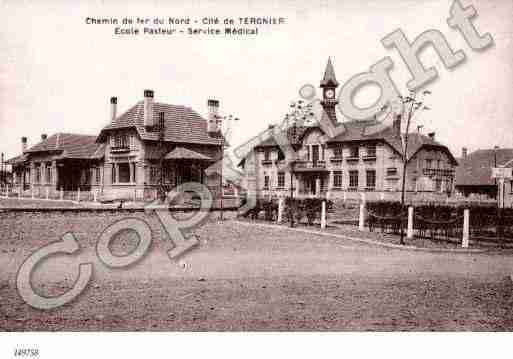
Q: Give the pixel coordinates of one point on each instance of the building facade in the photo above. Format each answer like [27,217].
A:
[365,157]
[125,159]
[474,174]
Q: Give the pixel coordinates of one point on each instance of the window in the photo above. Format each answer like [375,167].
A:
[154,174]
[337,152]
[391,171]
[266,182]
[134,168]
[48,173]
[353,179]
[122,141]
[337,179]
[267,155]
[315,153]
[281,179]
[438,185]
[133,142]
[354,152]
[323,149]
[429,163]
[281,156]
[113,173]
[124,172]
[371,151]
[371,179]
[98,175]
[38,173]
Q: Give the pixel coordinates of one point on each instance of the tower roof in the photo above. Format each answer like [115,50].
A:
[329,75]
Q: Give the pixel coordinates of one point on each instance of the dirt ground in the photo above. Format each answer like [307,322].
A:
[244,277]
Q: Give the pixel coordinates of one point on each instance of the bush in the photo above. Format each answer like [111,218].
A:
[309,207]
[270,208]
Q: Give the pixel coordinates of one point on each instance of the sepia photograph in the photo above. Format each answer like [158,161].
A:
[254,166]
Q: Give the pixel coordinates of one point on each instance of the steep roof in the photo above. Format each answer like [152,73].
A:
[476,168]
[183,125]
[20,159]
[329,75]
[370,130]
[70,145]
[180,153]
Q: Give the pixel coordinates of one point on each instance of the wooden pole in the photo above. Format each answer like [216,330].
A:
[409,233]
[466,228]
[323,215]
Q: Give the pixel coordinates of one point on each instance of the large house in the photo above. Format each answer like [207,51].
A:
[125,158]
[474,174]
[365,156]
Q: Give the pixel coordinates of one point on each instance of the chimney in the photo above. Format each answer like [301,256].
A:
[431,135]
[113,108]
[161,121]
[23,144]
[464,152]
[213,123]
[397,125]
[44,136]
[148,108]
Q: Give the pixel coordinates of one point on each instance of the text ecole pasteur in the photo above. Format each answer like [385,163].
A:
[128,29]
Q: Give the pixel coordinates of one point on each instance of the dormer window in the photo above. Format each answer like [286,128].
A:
[354,152]
[337,152]
[371,151]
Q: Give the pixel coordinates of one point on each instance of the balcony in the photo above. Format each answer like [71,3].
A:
[336,159]
[369,157]
[353,159]
[438,172]
[120,149]
[311,164]
[267,162]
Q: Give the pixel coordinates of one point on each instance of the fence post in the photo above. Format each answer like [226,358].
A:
[361,219]
[323,215]
[466,228]
[47,193]
[409,231]
[95,195]
[280,210]
[32,190]
[78,195]
[62,194]
[236,194]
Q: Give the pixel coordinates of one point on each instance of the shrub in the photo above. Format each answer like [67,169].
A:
[270,208]
[309,207]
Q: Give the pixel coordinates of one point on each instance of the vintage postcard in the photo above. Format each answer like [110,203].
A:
[255,166]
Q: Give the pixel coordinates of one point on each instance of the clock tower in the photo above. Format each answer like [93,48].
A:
[329,85]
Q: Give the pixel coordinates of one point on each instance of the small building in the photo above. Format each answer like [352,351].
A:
[366,156]
[474,174]
[149,145]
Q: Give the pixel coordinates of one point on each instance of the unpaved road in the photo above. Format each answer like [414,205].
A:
[252,278]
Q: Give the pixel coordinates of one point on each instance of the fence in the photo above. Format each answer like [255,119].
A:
[471,224]
[96,195]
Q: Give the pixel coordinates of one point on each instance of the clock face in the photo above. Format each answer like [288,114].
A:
[330,93]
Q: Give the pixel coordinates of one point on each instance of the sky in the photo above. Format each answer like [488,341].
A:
[57,73]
